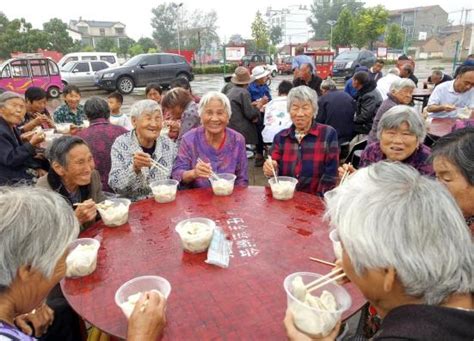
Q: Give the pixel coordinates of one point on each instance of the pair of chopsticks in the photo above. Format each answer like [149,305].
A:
[345,175]
[322,261]
[158,166]
[213,175]
[273,168]
[326,279]
[99,205]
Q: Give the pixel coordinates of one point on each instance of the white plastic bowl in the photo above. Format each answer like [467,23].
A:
[284,189]
[199,242]
[224,185]
[140,285]
[84,241]
[164,190]
[63,128]
[112,218]
[311,320]
[336,244]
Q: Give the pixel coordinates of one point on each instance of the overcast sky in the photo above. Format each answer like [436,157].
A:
[234,16]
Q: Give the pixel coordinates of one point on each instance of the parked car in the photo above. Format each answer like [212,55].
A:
[346,62]
[253,60]
[143,69]
[108,57]
[82,74]
[17,74]
[285,66]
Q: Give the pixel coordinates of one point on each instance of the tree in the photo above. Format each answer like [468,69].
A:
[105,44]
[276,35]
[395,36]
[343,32]
[147,43]
[325,10]
[370,24]
[135,49]
[260,32]
[124,46]
[19,36]
[236,39]
[59,39]
[164,25]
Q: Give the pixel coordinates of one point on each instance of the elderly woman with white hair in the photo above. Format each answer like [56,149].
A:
[33,261]
[401,133]
[401,92]
[411,254]
[308,150]
[212,146]
[133,153]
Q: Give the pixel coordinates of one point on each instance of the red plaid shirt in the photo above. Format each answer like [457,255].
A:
[314,162]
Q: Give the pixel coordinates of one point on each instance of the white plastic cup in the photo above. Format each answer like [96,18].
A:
[85,241]
[200,242]
[63,128]
[284,189]
[310,320]
[140,284]
[113,220]
[224,185]
[336,244]
[164,191]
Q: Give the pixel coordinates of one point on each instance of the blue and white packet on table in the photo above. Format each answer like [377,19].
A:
[219,250]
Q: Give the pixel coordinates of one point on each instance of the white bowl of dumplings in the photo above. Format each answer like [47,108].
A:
[129,293]
[195,234]
[317,312]
[224,184]
[284,189]
[114,212]
[164,191]
[82,258]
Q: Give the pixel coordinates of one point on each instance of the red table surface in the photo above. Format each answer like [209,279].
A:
[245,301]
[441,126]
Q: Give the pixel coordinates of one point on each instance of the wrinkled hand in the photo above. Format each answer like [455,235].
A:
[40,318]
[345,167]
[41,172]
[37,138]
[344,279]
[449,107]
[86,211]
[141,160]
[294,334]
[148,319]
[174,127]
[74,129]
[267,168]
[202,170]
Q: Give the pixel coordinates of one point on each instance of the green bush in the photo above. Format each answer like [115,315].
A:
[212,69]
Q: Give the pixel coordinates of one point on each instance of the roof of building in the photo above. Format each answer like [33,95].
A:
[413,9]
[94,23]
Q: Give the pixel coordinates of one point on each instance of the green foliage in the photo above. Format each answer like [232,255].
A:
[147,43]
[19,36]
[164,25]
[395,36]
[152,50]
[59,39]
[260,32]
[326,10]
[87,48]
[207,70]
[276,35]
[105,44]
[135,49]
[370,25]
[343,32]
[125,44]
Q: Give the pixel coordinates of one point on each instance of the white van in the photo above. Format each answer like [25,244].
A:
[108,57]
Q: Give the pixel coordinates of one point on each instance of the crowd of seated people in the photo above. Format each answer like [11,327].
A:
[427,191]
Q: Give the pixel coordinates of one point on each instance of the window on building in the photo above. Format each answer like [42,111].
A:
[83,29]
[39,67]
[19,68]
[119,30]
[102,31]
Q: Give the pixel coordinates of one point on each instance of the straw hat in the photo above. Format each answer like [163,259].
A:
[259,72]
[241,76]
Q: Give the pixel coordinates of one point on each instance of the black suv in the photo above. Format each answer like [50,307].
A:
[346,62]
[142,69]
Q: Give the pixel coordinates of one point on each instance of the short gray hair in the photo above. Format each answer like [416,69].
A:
[413,225]
[394,71]
[60,148]
[395,116]
[145,106]
[8,95]
[36,227]
[214,95]
[438,73]
[402,83]
[303,93]
[328,84]
[96,107]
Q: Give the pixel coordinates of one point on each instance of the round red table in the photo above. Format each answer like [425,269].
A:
[245,301]
[439,127]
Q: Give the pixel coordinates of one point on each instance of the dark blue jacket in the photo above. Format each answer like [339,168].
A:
[337,109]
[16,157]
[258,91]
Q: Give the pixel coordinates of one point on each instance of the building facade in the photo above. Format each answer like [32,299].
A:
[92,31]
[293,22]
[420,23]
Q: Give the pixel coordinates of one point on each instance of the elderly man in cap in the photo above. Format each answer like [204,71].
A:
[244,114]
[305,76]
[18,156]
